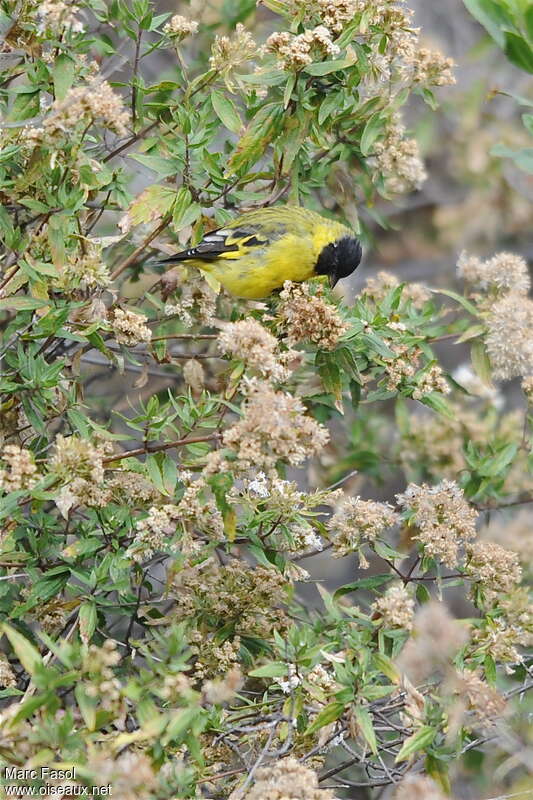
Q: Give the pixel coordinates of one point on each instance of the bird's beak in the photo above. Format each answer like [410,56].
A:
[333,279]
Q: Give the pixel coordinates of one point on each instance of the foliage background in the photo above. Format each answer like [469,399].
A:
[138,643]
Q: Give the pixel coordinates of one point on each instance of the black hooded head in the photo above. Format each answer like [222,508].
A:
[339,259]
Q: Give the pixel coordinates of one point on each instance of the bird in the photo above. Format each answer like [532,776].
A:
[253,255]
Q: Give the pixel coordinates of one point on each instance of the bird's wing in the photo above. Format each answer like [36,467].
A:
[228,242]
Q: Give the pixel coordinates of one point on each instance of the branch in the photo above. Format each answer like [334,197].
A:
[157,448]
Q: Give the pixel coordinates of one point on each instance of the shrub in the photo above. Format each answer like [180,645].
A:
[156,631]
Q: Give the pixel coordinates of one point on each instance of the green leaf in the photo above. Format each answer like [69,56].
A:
[438,403]
[466,304]
[87,621]
[527,119]
[180,723]
[325,67]
[86,705]
[481,362]
[489,666]
[63,75]
[185,211]
[22,303]
[153,203]
[501,461]
[328,714]
[371,131]
[518,51]
[423,737]
[256,138]
[363,583]
[25,106]
[265,77]
[328,107]
[26,653]
[226,111]
[364,720]
[29,707]
[528,18]
[524,159]
[154,467]
[492,15]
[289,87]
[276,669]
[386,666]
[331,377]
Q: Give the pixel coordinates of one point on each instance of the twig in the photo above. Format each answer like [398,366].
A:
[192,336]
[128,143]
[144,244]
[156,448]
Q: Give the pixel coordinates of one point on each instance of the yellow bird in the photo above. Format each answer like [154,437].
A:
[255,253]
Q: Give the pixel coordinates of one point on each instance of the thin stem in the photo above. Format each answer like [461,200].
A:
[134,77]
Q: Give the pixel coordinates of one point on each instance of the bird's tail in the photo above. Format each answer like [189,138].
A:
[170,261]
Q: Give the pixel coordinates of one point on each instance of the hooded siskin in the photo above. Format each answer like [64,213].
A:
[255,253]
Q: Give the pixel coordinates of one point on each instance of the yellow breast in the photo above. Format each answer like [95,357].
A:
[256,274]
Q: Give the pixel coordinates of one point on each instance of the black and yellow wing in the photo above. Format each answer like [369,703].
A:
[248,233]
[224,243]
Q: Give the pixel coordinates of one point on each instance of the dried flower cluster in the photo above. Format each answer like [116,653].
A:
[432,380]
[286,779]
[233,593]
[223,690]
[252,343]
[101,683]
[398,159]
[509,338]
[309,318]
[56,17]
[82,492]
[515,534]
[496,569]
[198,512]
[130,328]
[436,638]
[74,457]
[503,273]
[274,427]
[297,51]
[20,470]
[132,488]
[378,288]
[197,300]
[395,609]
[357,521]
[442,517]
[178,28]
[84,270]
[94,103]
[130,775]
[153,532]
[429,68]
[418,787]
[229,52]
[484,703]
